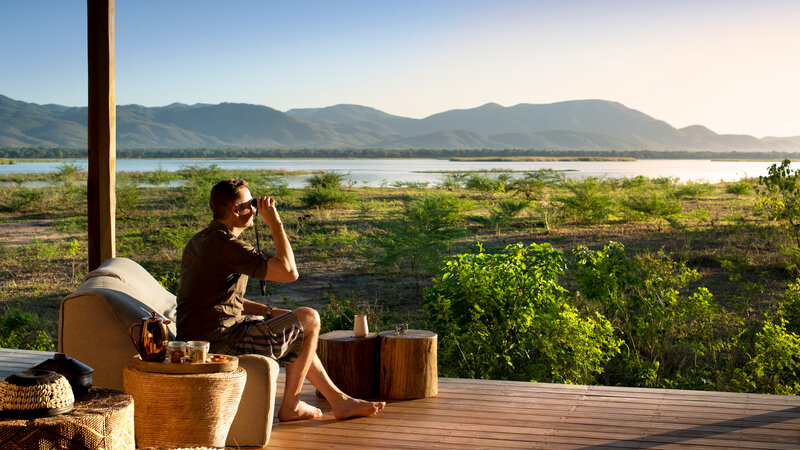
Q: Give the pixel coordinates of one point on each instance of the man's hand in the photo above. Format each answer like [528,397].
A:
[266,209]
[278,312]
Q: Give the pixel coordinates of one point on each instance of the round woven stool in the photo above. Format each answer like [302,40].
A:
[183,410]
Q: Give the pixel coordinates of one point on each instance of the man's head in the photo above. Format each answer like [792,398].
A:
[226,194]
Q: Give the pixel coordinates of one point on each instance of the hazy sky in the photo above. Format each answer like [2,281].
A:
[733,66]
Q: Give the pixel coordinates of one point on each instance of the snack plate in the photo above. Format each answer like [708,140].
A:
[227,363]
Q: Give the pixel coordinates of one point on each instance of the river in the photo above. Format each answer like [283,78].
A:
[385,172]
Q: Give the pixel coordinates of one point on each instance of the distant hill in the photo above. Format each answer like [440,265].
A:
[590,125]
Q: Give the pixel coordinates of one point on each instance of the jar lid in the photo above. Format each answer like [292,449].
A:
[64,365]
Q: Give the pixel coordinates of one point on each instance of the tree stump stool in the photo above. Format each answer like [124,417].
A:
[351,362]
[408,365]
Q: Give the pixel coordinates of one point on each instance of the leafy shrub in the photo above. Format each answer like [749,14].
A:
[324,197]
[503,212]
[789,308]
[159,177]
[67,171]
[326,180]
[127,195]
[453,180]
[633,182]
[484,183]
[741,187]
[21,200]
[664,327]
[653,205]
[16,332]
[586,204]
[532,184]
[694,190]
[323,246]
[410,184]
[664,181]
[775,365]
[780,200]
[416,237]
[505,316]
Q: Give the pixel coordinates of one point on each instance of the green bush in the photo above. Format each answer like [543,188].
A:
[416,237]
[780,200]
[742,187]
[789,308]
[653,205]
[487,184]
[326,180]
[532,184]
[586,204]
[325,197]
[502,213]
[668,330]
[453,180]
[774,367]
[333,243]
[16,332]
[694,190]
[505,316]
[21,199]
[67,171]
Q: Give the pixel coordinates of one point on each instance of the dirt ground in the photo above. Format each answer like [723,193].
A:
[25,231]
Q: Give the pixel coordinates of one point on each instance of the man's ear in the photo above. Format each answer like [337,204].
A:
[234,210]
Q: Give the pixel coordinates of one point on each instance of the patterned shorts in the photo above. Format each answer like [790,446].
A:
[279,337]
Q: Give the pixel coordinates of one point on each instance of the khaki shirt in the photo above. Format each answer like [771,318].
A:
[214,271]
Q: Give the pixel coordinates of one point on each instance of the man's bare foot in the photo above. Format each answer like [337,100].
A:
[353,407]
[301,411]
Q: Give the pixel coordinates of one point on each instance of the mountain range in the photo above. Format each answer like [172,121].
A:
[589,125]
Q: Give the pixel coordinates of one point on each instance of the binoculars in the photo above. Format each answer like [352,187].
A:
[254,202]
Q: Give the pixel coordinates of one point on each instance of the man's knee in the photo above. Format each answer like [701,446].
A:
[309,317]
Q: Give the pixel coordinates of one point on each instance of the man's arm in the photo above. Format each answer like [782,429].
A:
[281,267]
[257,309]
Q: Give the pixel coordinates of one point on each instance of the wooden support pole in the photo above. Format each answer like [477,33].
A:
[101,197]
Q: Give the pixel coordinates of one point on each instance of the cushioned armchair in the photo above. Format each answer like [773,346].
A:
[94,329]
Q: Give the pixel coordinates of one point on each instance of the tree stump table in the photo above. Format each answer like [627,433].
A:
[408,365]
[101,418]
[351,362]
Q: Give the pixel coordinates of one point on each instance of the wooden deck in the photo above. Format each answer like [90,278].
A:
[503,414]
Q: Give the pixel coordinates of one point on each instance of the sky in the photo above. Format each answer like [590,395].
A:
[730,65]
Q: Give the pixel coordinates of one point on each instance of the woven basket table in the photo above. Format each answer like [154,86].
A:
[183,410]
[102,418]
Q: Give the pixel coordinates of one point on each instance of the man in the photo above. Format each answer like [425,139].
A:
[211,306]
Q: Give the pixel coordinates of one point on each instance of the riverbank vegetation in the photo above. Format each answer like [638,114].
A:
[525,276]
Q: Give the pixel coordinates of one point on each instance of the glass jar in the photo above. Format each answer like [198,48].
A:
[197,351]
[176,352]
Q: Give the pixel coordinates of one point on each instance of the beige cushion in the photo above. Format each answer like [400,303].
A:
[145,286]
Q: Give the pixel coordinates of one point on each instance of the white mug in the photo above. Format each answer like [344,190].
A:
[360,327]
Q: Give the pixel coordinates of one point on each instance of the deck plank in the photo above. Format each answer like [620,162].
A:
[507,414]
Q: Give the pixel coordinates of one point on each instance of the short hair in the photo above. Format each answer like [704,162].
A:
[224,194]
